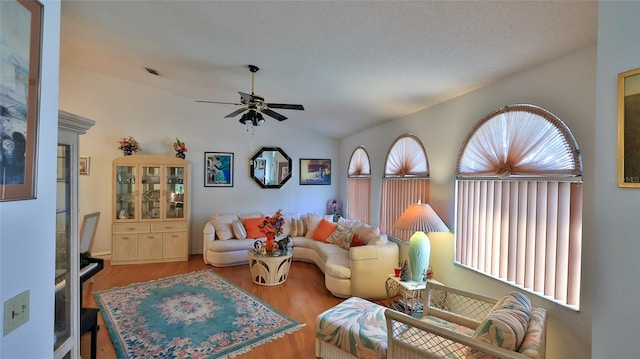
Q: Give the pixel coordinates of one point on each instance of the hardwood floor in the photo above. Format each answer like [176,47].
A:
[302,297]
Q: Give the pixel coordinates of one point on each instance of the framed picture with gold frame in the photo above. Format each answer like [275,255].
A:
[629,129]
[21,46]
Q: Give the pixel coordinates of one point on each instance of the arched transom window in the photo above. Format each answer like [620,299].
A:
[519,202]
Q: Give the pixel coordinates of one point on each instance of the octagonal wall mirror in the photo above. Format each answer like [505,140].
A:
[270,167]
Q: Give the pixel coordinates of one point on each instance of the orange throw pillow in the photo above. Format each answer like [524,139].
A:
[324,230]
[252,226]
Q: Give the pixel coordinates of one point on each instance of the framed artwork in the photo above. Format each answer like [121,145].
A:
[629,129]
[315,171]
[218,169]
[83,165]
[20,45]
[260,163]
[283,171]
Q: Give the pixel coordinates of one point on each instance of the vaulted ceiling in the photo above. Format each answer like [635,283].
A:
[352,64]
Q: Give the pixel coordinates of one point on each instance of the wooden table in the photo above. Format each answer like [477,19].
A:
[271,268]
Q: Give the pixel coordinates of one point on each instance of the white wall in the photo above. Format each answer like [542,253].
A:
[565,87]
[27,228]
[616,317]
[155,118]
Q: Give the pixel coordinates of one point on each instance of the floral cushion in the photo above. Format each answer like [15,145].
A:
[533,339]
[506,323]
[356,326]
[341,237]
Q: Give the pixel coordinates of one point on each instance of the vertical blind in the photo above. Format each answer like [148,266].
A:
[359,186]
[406,181]
[526,232]
[519,202]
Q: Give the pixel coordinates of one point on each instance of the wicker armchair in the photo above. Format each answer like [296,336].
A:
[447,327]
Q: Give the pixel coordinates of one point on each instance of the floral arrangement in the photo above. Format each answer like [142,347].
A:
[179,146]
[273,224]
[129,144]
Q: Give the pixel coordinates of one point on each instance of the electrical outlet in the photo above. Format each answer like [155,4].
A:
[16,312]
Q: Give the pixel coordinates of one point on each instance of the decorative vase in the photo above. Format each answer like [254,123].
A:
[271,242]
[127,152]
[180,154]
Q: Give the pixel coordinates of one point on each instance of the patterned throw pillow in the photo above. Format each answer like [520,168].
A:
[324,230]
[505,325]
[341,237]
[298,228]
[238,230]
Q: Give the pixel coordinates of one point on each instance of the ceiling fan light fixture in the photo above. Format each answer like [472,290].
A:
[258,119]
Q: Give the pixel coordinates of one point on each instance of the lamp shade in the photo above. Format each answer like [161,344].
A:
[420,218]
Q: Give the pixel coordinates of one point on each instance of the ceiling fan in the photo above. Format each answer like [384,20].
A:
[255,106]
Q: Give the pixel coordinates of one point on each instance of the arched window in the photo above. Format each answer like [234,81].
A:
[519,202]
[359,186]
[406,181]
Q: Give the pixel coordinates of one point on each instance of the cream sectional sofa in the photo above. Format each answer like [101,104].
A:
[358,271]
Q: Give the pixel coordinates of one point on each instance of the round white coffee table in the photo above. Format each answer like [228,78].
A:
[270,268]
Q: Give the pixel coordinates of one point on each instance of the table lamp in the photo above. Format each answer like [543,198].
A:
[420,218]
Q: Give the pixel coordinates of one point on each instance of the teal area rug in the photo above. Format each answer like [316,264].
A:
[195,315]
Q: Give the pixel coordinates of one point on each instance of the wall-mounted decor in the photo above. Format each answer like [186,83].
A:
[629,129]
[83,165]
[315,171]
[20,37]
[218,169]
[270,167]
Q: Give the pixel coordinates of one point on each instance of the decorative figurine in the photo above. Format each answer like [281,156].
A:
[283,243]
[404,274]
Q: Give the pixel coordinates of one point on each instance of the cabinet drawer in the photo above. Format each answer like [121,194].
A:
[131,228]
[169,226]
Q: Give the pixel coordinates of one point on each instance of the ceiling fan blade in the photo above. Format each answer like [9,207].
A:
[236,112]
[246,96]
[273,114]
[285,106]
[222,103]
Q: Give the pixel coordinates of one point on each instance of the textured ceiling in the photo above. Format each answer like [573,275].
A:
[352,64]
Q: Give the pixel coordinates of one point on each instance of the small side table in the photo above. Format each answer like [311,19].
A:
[411,295]
[271,268]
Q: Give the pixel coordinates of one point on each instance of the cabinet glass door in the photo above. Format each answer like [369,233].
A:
[150,188]
[125,193]
[175,192]
[62,314]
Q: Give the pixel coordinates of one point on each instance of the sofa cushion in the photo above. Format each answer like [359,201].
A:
[366,232]
[288,219]
[231,246]
[356,241]
[534,337]
[346,223]
[338,266]
[341,237]
[298,228]
[238,230]
[506,324]
[324,230]
[252,226]
[222,224]
[312,221]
